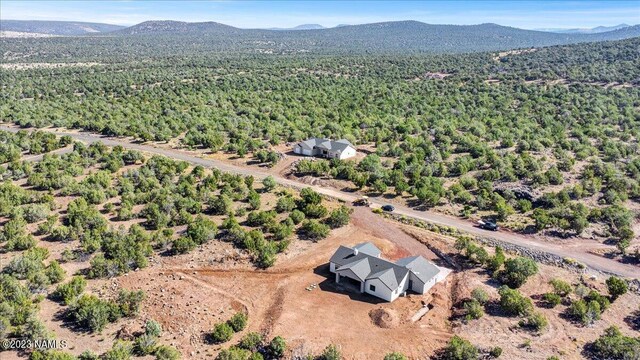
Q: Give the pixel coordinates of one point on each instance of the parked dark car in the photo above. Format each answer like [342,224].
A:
[388,208]
[489,225]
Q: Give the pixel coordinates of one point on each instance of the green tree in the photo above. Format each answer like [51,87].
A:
[153,328]
[202,230]
[129,302]
[238,321]
[121,350]
[251,341]
[285,204]
[314,230]
[339,217]
[269,183]
[560,287]
[513,302]
[535,321]
[552,299]
[496,261]
[145,344]
[277,347]
[517,271]
[395,356]
[69,291]
[165,352]
[617,287]
[459,349]
[480,295]
[613,345]
[473,309]
[310,197]
[221,333]
[331,352]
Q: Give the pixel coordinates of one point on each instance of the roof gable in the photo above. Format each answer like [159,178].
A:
[360,268]
[325,144]
[368,248]
[420,267]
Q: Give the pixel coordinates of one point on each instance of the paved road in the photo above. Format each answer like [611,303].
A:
[574,249]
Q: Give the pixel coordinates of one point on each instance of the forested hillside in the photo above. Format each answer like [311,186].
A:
[67,28]
[154,39]
[612,61]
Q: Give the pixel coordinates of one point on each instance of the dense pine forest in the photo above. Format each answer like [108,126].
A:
[464,130]
[175,38]
[544,140]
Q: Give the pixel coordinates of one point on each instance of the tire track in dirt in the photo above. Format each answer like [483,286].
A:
[273,312]
[236,303]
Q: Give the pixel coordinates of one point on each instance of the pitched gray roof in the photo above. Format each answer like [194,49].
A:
[310,143]
[326,144]
[421,268]
[361,268]
[343,255]
[367,264]
[389,273]
[339,146]
[368,248]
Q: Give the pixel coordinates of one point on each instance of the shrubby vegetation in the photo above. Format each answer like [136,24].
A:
[222,332]
[459,349]
[464,150]
[93,314]
[614,345]
[478,135]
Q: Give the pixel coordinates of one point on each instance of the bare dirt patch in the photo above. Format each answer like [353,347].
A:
[384,318]
[188,296]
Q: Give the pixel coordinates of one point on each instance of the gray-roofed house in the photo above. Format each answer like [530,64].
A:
[332,149]
[363,265]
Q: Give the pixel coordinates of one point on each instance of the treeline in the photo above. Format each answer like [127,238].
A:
[485,137]
[13,146]
[606,61]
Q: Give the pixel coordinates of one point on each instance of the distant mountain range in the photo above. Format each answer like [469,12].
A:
[301,27]
[595,30]
[177,27]
[64,28]
[384,37]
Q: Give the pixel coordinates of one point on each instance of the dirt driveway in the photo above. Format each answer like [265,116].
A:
[189,300]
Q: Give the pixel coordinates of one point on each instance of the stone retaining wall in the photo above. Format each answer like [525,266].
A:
[542,257]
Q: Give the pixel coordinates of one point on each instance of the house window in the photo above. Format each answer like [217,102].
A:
[372,287]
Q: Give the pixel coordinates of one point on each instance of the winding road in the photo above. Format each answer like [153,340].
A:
[572,249]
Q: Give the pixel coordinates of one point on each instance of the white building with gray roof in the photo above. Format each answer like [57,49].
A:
[363,266]
[331,149]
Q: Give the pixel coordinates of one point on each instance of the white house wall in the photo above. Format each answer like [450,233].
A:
[402,287]
[382,291]
[347,153]
[417,284]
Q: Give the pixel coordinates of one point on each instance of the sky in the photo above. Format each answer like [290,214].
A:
[266,14]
